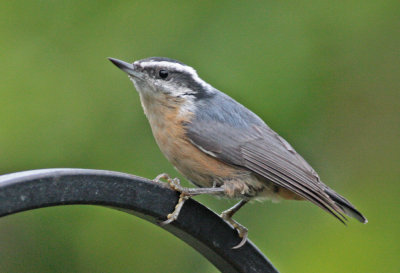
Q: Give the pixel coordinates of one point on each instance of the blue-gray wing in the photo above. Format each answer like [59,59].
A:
[233,134]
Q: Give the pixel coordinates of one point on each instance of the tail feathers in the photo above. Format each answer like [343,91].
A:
[346,206]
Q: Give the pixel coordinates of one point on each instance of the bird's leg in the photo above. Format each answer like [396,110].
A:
[175,184]
[227,216]
[186,193]
[174,215]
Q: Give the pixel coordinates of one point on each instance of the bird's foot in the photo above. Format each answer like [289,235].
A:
[162,176]
[174,215]
[242,230]
[175,184]
[185,194]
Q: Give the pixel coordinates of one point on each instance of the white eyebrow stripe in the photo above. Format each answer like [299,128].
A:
[177,67]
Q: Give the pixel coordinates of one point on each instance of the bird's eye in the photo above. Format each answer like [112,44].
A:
[163,74]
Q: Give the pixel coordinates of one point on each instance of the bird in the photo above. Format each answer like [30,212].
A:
[221,146]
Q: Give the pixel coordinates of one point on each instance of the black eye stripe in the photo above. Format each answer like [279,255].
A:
[163,73]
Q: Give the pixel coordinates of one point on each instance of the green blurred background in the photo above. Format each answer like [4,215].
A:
[324,74]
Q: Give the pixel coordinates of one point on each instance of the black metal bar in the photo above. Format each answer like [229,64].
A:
[197,226]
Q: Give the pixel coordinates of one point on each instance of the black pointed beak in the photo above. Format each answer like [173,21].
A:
[124,66]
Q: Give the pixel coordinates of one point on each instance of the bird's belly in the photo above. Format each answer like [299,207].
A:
[194,164]
[200,168]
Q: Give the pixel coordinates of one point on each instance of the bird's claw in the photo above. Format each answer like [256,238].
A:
[170,219]
[162,176]
[174,215]
[174,183]
[242,230]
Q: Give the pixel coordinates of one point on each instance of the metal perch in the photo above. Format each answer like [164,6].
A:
[210,236]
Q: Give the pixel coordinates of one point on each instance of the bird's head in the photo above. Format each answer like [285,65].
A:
[165,79]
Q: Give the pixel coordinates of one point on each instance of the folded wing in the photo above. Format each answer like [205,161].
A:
[241,138]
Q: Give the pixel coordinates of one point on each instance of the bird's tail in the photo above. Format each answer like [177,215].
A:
[346,206]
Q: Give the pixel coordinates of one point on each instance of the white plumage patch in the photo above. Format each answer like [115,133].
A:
[175,67]
[202,149]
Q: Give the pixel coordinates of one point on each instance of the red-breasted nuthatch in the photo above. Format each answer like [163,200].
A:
[221,146]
